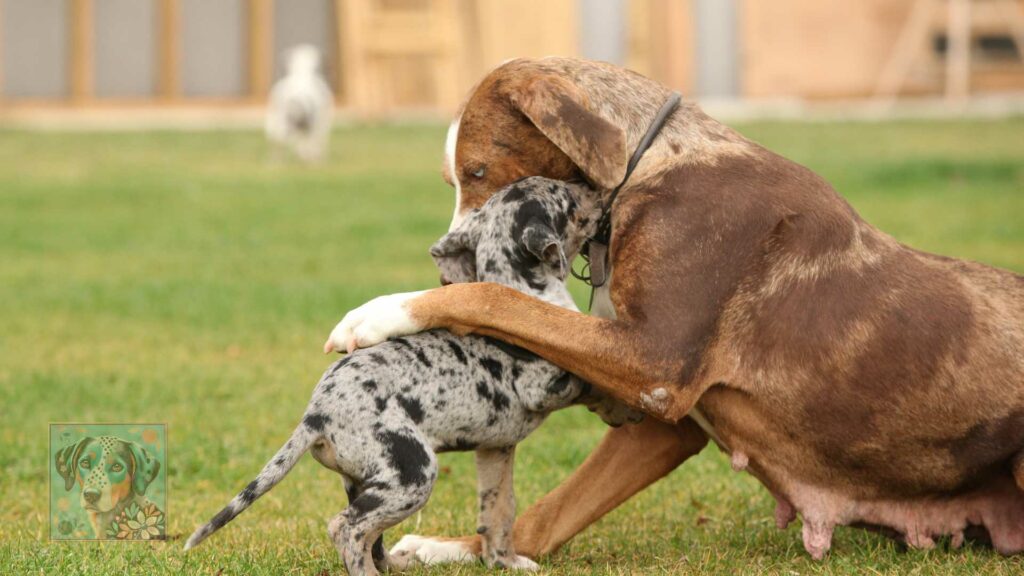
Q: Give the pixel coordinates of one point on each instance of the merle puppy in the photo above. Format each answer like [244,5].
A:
[379,415]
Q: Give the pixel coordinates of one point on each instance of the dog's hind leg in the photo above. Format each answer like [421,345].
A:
[498,509]
[401,485]
[377,551]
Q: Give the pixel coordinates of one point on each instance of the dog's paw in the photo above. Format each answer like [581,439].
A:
[412,549]
[372,323]
[524,563]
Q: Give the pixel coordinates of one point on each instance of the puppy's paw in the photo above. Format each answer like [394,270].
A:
[372,323]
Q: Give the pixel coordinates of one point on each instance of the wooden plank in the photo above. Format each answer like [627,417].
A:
[336,55]
[508,30]
[987,16]
[353,72]
[261,41]
[661,41]
[958,55]
[82,51]
[1013,13]
[797,49]
[447,91]
[169,49]
[913,38]
[1,54]
[638,37]
[678,67]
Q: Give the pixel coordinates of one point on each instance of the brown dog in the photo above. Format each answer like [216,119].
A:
[863,382]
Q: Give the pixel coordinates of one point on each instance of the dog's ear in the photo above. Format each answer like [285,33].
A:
[540,240]
[67,460]
[450,244]
[455,256]
[561,112]
[146,468]
[455,252]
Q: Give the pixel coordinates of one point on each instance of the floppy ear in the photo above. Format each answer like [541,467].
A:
[146,468]
[561,112]
[455,256]
[541,241]
[67,459]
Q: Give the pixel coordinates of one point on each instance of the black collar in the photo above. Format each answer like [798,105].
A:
[595,249]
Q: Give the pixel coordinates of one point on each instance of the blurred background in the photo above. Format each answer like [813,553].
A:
[160,263]
[407,58]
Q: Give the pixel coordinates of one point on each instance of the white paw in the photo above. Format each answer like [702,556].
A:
[524,563]
[412,548]
[372,323]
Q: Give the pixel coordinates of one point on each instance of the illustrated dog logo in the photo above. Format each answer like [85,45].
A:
[107,482]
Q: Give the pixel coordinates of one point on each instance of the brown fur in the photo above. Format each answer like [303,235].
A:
[743,286]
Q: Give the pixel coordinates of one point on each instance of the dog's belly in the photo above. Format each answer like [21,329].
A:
[887,486]
[460,430]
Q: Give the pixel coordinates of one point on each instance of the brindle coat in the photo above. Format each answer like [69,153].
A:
[863,382]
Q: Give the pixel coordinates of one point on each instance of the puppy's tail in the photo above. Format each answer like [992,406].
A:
[272,473]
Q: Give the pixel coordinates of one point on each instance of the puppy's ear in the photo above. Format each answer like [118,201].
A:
[450,244]
[562,113]
[146,468]
[455,252]
[455,256]
[540,240]
[67,460]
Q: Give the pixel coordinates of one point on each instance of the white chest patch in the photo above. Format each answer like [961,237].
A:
[450,143]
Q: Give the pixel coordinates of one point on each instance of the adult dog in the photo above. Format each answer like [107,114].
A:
[861,381]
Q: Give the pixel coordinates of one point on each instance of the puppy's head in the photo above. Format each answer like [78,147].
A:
[525,237]
[528,117]
[107,469]
[304,58]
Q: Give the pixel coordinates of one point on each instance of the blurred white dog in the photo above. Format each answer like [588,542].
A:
[300,108]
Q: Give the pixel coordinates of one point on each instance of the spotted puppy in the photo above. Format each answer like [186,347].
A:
[112,474]
[379,415]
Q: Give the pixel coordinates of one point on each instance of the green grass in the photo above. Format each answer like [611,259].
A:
[183,278]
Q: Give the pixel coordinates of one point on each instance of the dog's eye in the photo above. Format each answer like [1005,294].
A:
[116,468]
[479,172]
[85,463]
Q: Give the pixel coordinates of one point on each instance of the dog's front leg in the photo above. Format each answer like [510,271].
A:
[626,359]
[498,509]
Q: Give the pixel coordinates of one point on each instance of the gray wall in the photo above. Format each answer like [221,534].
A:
[34,45]
[125,48]
[213,45]
[603,30]
[717,48]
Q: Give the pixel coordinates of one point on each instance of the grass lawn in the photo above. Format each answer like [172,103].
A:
[183,278]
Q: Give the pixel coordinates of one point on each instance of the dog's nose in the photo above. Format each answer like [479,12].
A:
[445,281]
[91,495]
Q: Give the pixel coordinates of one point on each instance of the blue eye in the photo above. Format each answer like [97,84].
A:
[479,173]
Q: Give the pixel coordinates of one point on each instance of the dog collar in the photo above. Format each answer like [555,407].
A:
[595,249]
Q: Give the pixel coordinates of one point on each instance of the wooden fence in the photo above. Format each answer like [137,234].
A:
[388,57]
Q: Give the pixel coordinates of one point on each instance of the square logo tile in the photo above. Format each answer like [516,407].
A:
[108,481]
